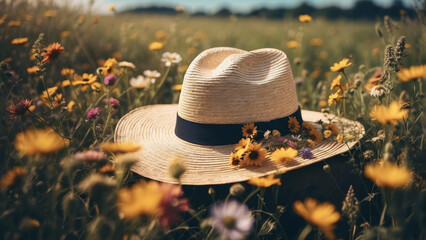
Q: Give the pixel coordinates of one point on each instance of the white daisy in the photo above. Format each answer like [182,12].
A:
[232,220]
[151,75]
[378,91]
[125,64]
[140,82]
[169,58]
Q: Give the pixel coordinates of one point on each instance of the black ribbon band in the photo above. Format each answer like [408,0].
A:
[222,134]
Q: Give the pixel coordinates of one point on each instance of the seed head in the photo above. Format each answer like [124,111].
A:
[350,208]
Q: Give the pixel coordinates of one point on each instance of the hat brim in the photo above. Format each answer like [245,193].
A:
[153,127]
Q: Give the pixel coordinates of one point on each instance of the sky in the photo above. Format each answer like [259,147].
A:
[211,6]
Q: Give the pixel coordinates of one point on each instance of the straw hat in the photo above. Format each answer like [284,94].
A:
[223,89]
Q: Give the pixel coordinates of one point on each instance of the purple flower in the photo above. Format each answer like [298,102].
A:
[110,80]
[306,153]
[292,144]
[114,102]
[93,113]
[232,220]
[282,139]
[90,156]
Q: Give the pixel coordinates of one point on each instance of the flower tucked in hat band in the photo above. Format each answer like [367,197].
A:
[223,134]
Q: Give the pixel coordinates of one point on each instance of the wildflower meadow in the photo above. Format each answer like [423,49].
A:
[68,75]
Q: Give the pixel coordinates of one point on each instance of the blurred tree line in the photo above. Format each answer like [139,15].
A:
[363,9]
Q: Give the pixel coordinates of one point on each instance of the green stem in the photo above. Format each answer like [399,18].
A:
[251,195]
[47,124]
[305,232]
[109,115]
[157,89]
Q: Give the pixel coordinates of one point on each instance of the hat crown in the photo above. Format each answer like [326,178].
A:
[230,86]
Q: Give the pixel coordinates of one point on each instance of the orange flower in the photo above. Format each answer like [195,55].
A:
[305,18]
[19,41]
[337,67]
[412,73]
[53,51]
[293,124]
[124,147]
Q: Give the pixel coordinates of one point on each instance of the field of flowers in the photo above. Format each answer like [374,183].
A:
[68,76]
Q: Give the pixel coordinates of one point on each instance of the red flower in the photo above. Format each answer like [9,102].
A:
[172,204]
[52,52]
[19,107]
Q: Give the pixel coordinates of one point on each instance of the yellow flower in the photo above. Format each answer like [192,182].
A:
[336,85]
[177,87]
[283,156]
[339,138]
[19,41]
[327,133]
[50,13]
[333,128]
[255,154]
[387,174]
[39,141]
[235,159]
[264,181]
[305,18]
[388,115]
[249,130]
[312,144]
[293,124]
[139,199]
[70,105]
[85,79]
[12,177]
[337,67]
[335,98]
[292,44]
[243,144]
[316,42]
[155,46]
[111,8]
[32,70]
[124,147]
[412,73]
[322,215]
[109,66]
[67,72]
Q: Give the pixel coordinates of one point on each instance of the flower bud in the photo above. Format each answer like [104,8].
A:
[237,190]
[176,168]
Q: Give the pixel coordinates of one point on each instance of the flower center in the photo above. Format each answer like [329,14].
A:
[249,131]
[229,222]
[253,155]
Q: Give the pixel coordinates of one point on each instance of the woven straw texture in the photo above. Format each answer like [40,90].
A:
[221,86]
[153,128]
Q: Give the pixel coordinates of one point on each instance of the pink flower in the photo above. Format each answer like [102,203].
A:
[110,80]
[171,204]
[282,139]
[90,156]
[93,113]
[114,102]
[291,144]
